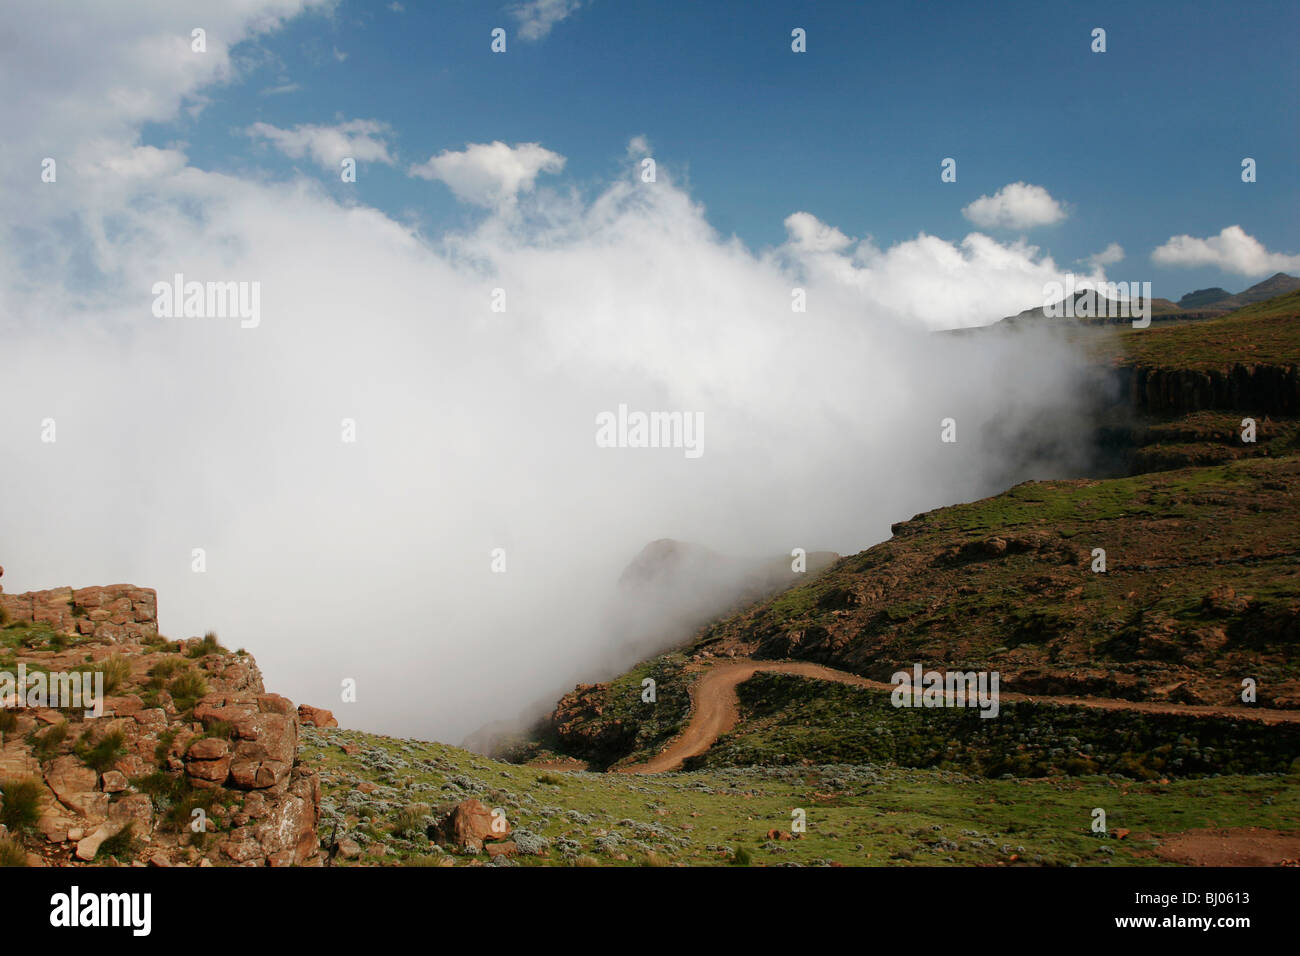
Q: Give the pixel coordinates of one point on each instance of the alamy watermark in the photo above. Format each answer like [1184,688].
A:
[624,429]
[1087,299]
[179,299]
[917,688]
[54,689]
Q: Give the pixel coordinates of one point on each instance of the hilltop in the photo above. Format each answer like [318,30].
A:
[1277,284]
[1094,309]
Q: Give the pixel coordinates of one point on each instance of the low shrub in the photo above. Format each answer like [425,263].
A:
[12,852]
[20,805]
[46,745]
[100,755]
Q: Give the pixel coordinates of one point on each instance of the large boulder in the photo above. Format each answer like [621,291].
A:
[207,762]
[468,825]
[265,751]
[315,716]
[75,785]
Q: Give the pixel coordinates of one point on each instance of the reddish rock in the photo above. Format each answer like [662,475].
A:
[74,784]
[123,706]
[224,708]
[135,808]
[276,825]
[208,748]
[469,825]
[266,750]
[316,716]
[152,720]
[275,704]
[207,762]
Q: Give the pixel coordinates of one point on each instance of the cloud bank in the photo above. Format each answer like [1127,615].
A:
[373,560]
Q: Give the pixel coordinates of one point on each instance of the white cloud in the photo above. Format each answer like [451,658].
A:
[475,428]
[537,17]
[490,174]
[120,68]
[927,281]
[1112,254]
[360,139]
[808,234]
[1015,206]
[1232,250]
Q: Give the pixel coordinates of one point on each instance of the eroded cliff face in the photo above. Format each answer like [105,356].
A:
[1182,396]
[1269,389]
[192,762]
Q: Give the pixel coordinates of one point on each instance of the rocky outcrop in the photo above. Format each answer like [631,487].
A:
[315,716]
[581,725]
[191,752]
[118,613]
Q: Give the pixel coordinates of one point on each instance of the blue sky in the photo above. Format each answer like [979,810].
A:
[1138,144]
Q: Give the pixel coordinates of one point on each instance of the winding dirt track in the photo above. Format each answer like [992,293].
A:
[714,707]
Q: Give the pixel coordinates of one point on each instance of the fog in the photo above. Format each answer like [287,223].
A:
[372,560]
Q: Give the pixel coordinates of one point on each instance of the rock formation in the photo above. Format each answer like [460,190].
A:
[191,751]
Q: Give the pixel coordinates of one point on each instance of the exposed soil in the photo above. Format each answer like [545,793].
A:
[1235,846]
[714,709]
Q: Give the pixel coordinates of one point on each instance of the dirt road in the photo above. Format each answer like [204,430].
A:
[714,707]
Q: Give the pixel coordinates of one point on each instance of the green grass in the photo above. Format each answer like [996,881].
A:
[32,636]
[20,805]
[116,670]
[122,845]
[186,690]
[168,667]
[856,815]
[101,754]
[1266,333]
[209,645]
[176,799]
[48,743]
[12,852]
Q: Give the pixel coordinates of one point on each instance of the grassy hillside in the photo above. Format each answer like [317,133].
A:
[1266,333]
[382,794]
[1202,588]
